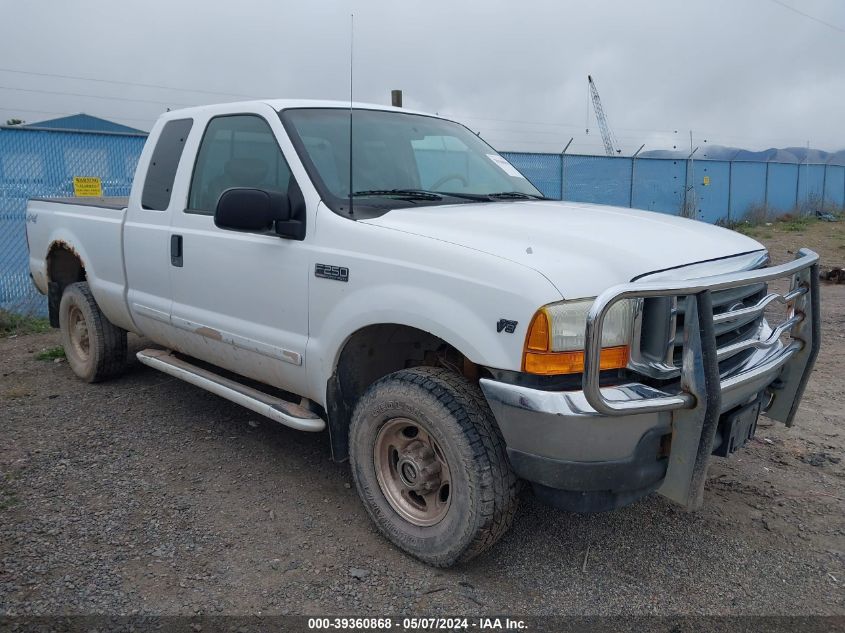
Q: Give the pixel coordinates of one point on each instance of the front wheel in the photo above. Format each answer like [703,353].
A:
[430,465]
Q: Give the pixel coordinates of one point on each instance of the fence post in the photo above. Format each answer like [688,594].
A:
[631,192]
[562,175]
[689,184]
[730,186]
[766,189]
[562,168]
[824,185]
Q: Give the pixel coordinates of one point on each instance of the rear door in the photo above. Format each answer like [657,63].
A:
[146,232]
[240,300]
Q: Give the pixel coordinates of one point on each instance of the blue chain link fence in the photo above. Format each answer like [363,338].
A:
[42,163]
[708,190]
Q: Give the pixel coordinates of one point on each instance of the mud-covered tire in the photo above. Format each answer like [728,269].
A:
[94,347]
[455,414]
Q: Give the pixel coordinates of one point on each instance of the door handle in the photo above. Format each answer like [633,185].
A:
[176,250]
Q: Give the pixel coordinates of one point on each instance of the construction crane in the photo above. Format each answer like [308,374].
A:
[610,144]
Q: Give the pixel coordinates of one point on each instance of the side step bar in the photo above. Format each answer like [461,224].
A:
[282,411]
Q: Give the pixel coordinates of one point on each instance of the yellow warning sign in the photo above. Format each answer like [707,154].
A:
[87,187]
[706,180]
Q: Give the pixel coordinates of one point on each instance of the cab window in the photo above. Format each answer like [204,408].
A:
[236,151]
[161,172]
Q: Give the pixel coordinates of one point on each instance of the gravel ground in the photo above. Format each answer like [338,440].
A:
[147,495]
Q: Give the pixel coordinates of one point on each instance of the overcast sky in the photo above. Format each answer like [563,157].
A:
[748,73]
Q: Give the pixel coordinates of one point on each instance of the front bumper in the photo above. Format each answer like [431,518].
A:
[602,447]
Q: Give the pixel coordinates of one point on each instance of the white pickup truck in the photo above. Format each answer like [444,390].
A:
[387,276]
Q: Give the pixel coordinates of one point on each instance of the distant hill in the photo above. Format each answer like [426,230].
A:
[782,155]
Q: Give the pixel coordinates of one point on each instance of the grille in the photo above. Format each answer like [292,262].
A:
[660,351]
[729,332]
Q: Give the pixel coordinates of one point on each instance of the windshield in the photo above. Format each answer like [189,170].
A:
[408,159]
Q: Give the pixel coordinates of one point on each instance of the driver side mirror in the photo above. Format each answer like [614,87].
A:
[253,210]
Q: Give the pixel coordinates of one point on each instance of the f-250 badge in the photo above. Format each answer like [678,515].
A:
[326,271]
[507,326]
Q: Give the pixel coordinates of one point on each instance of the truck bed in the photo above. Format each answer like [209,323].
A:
[91,229]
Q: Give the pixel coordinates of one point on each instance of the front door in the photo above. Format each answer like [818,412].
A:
[239,299]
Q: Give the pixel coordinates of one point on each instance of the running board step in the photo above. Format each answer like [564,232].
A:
[282,411]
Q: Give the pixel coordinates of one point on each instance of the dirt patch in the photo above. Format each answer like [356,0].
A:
[147,495]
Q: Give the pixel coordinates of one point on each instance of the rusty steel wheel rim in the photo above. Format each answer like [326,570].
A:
[78,332]
[412,472]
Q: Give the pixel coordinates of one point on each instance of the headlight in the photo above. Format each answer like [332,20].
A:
[555,340]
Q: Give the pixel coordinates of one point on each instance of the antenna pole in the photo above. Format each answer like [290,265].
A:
[351,50]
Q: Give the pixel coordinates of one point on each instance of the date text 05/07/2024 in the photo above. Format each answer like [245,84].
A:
[425,624]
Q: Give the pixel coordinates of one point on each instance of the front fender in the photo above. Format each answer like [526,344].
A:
[465,329]
[469,327]
[450,291]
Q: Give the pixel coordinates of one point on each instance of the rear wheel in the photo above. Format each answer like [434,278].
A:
[95,348]
[430,465]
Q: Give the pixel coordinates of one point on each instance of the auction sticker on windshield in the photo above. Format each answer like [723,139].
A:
[505,166]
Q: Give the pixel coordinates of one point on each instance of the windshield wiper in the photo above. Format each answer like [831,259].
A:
[423,194]
[418,194]
[515,195]
[480,197]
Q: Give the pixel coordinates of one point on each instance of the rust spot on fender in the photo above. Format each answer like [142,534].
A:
[209,333]
[61,257]
[65,246]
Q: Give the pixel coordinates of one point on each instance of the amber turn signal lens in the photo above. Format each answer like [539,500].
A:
[538,333]
[553,363]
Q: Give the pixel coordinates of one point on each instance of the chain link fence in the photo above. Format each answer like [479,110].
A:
[42,163]
[709,190]
[545,171]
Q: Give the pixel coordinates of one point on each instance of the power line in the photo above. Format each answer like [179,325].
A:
[807,15]
[481,118]
[88,96]
[531,132]
[124,83]
[547,123]
[559,143]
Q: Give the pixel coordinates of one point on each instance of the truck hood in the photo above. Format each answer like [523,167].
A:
[583,249]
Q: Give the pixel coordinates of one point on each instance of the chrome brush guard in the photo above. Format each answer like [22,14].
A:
[698,403]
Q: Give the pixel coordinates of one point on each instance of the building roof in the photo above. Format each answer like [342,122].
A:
[84,123]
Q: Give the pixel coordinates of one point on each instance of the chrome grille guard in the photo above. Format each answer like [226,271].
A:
[697,407]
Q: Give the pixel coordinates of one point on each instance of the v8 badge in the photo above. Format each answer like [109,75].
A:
[506,325]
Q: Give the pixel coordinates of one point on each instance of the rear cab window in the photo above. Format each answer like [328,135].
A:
[161,172]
